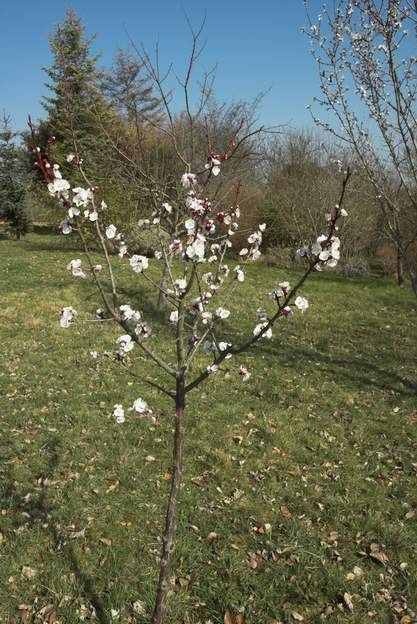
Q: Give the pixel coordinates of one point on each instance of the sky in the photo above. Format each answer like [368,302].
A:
[257,46]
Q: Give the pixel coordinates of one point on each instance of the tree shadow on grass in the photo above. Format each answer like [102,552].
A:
[40,511]
[52,244]
[359,372]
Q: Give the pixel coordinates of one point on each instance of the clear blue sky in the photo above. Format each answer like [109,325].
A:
[257,45]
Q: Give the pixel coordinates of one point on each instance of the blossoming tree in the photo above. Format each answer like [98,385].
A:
[200,283]
[365,53]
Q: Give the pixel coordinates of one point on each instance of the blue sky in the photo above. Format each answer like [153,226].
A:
[257,46]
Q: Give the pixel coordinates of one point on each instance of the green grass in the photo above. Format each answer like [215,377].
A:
[325,428]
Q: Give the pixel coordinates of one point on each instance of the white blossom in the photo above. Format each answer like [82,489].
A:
[119,414]
[258,329]
[196,250]
[75,267]
[214,165]
[190,226]
[240,276]
[222,313]
[125,343]
[180,284]
[301,303]
[59,187]
[111,231]
[67,316]
[82,197]
[141,407]
[244,373]
[188,180]
[73,211]
[139,263]
[128,314]
[66,226]
[173,317]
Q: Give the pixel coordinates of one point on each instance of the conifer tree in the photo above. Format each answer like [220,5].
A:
[74,78]
[13,181]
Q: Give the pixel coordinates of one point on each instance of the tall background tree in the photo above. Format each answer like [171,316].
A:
[75,78]
[127,86]
[13,181]
[365,52]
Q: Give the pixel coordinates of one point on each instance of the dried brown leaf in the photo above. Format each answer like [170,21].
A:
[228,618]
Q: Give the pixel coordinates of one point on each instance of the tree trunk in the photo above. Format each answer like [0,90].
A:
[400,269]
[411,273]
[171,516]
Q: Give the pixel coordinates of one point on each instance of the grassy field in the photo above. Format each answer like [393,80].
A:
[299,501]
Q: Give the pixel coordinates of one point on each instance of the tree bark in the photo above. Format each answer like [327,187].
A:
[171,516]
[400,270]
[411,273]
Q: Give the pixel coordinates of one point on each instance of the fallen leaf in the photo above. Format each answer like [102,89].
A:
[285,511]
[77,534]
[297,616]
[48,614]
[228,618]
[24,613]
[379,556]
[139,607]
[348,601]
[28,572]
[105,540]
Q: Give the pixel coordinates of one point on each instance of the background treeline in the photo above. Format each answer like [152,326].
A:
[286,177]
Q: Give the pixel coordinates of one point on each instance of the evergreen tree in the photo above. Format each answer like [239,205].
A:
[75,103]
[13,181]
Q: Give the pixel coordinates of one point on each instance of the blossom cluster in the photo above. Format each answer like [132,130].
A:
[202,237]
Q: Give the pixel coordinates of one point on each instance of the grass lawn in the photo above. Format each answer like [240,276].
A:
[299,500]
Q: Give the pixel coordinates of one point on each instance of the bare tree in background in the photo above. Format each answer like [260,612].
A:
[155,149]
[127,86]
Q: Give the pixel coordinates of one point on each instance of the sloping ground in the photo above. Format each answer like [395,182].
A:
[299,501]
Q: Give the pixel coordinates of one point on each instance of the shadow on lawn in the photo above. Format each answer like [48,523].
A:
[359,371]
[52,243]
[40,511]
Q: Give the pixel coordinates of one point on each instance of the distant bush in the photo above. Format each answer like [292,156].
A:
[276,256]
[144,242]
[379,266]
[355,267]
